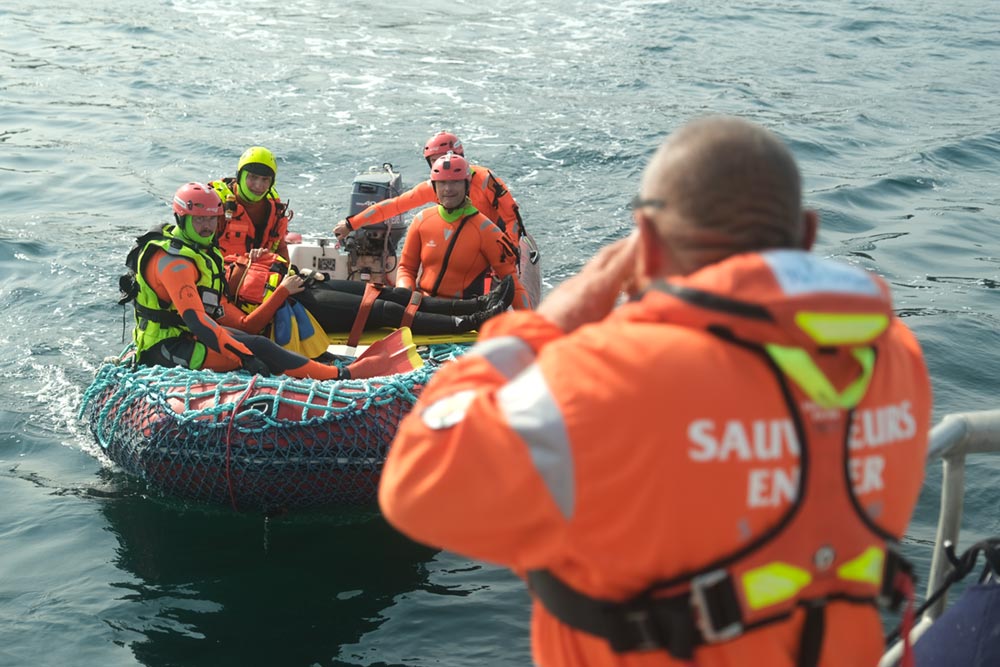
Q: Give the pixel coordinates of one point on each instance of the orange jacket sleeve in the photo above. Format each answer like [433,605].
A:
[439,499]
[419,195]
[282,248]
[506,207]
[175,280]
[501,255]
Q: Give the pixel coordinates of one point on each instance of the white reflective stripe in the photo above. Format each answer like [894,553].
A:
[801,272]
[508,354]
[532,413]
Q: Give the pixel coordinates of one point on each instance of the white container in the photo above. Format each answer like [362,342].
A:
[321,254]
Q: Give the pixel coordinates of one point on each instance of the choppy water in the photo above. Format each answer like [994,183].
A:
[106,107]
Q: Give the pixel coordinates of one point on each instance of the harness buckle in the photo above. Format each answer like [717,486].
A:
[634,629]
[717,609]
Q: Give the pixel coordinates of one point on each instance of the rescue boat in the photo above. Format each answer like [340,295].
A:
[270,444]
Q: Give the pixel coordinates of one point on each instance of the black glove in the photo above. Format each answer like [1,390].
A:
[250,363]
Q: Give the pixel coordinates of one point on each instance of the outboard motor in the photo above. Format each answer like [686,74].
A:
[368,253]
[372,248]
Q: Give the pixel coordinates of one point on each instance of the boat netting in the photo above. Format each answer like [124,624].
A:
[263,443]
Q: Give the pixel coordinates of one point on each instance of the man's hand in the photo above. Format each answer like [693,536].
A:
[340,230]
[591,294]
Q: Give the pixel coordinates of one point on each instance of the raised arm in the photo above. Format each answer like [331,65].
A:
[417,196]
[499,252]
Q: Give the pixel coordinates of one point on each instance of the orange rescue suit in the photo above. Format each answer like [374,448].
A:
[680,437]
[479,247]
[487,193]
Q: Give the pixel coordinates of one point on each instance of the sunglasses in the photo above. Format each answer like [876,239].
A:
[638,203]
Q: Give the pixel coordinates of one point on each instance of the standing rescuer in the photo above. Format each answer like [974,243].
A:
[715,473]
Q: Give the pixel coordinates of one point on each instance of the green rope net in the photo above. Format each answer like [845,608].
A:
[255,443]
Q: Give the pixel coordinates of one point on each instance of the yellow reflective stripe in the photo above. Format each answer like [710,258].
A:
[773,583]
[842,328]
[800,367]
[866,568]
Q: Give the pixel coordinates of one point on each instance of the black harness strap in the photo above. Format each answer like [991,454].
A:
[165,318]
[640,624]
[813,629]
[447,254]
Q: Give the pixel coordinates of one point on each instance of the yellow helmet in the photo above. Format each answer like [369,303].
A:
[258,160]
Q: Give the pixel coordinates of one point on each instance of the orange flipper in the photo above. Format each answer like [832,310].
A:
[393,354]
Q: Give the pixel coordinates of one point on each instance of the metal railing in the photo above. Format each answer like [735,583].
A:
[952,439]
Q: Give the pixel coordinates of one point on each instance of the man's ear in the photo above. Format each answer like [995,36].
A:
[649,255]
[810,228]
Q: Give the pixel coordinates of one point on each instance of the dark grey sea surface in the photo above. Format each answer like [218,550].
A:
[106,107]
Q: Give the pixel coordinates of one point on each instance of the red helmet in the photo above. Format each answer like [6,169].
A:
[450,167]
[197,199]
[442,142]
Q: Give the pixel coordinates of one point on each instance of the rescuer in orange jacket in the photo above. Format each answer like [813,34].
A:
[255,216]
[450,248]
[487,193]
[715,473]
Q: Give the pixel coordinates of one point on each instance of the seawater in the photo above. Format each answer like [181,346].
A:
[106,107]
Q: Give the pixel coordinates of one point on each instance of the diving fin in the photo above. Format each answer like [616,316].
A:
[393,354]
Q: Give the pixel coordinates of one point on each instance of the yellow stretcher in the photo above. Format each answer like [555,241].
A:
[338,341]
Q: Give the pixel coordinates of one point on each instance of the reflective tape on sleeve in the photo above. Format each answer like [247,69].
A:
[508,354]
[531,412]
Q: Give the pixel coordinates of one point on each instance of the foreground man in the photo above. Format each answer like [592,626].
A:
[714,473]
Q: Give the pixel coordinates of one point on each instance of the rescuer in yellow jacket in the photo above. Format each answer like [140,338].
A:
[715,473]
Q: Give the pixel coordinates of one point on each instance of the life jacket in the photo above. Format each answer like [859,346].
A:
[837,538]
[249,283]
[157,320]
[237,233]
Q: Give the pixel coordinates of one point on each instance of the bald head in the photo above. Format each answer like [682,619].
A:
[730,186]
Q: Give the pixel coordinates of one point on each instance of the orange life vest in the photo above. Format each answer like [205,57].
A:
[251,282]
[712,472]
[237,233]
